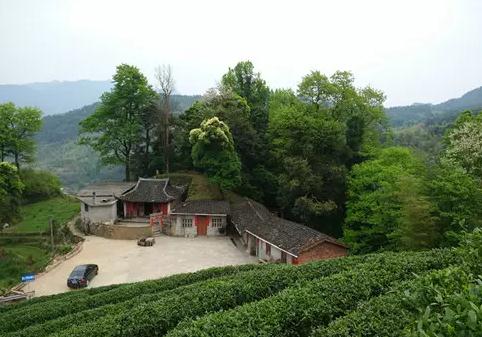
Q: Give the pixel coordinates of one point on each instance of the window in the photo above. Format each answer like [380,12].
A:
[217,222]
[86,207]
[187,222]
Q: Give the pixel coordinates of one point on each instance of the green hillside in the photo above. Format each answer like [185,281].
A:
[435,113]
[384,294]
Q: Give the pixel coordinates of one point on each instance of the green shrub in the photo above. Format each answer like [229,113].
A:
[390,314]
[295,311]
[39,185]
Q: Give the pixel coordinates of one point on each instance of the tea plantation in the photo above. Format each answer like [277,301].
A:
[430,293]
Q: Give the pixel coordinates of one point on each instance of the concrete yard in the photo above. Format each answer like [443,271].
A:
[122,261]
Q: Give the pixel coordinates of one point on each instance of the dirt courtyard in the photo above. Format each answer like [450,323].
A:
[122,261]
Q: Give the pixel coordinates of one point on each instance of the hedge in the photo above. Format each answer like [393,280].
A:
[64,304]
[155,318]
[391,313]
[297,310]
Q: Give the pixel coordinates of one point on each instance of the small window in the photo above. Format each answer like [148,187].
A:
[86,207]
[217,222]
[187,222]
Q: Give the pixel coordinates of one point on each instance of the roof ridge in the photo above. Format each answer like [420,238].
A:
[255,210]
[164,188]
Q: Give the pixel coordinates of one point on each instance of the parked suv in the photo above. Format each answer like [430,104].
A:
[81,275]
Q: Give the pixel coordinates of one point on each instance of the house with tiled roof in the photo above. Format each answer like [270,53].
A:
[153,204]
[272,238]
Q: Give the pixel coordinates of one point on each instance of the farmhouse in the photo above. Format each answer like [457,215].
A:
[154,204]
[272,238]
[155,207]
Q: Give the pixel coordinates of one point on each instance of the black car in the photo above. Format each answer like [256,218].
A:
[81,275]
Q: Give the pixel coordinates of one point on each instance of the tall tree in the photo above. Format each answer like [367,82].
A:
[115,128]
[18,126]
[464,143]
[317,136]
[213,152]
[375,199]
[10,193]
[458,199]
[165,80]
[257,179]
[417,228]
[244,81]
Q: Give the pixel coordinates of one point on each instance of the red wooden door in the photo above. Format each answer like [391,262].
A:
[202,224]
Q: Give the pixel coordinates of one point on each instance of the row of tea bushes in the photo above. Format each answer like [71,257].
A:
[297,310]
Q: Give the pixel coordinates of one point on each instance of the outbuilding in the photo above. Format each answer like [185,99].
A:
[272,238]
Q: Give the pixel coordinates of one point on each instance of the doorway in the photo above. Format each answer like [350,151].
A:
[202,225]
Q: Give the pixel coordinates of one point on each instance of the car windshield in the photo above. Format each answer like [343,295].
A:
[78,271]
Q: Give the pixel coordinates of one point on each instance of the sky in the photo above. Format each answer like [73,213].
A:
[414,51]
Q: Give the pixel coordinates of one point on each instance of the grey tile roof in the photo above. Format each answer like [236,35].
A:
[202,207]
[287,235]
[112,188]
[152,190]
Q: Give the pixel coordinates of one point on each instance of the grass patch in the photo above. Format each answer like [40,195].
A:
[35,216]
[18,259]
[200,188]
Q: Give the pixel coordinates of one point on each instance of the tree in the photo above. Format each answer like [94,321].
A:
[10,193]
[375,199]
[329,126]
[7,112]
[213,152]
[116,127]
[166,85]
[17,127]
[464,143]
[458,199]
[243,81]
[417,226]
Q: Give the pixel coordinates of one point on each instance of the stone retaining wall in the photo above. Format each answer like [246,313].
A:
[119,232]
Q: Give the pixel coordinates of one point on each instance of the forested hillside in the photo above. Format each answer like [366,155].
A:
[444,112]
[421,126]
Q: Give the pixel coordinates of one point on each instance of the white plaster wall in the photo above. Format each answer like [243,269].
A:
[262,250]
[99,213]
[275,253]
[178,230]
[214,231]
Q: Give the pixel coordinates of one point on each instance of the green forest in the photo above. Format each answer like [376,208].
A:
[325,154]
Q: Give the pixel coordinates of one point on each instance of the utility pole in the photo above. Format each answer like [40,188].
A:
[51,223]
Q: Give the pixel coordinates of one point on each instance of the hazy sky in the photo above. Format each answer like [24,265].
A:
[415,51]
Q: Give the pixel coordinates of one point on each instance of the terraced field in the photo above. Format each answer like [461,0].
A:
[383,294]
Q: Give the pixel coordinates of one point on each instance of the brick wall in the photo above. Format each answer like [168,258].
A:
[325,250]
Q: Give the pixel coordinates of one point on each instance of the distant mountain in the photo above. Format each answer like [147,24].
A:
[446,111]
[54,97]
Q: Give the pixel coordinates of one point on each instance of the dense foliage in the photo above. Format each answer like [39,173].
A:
[214,154]
[17,128]
[39,185]
[399,201]
[123,119]
[11,189]
[383,294]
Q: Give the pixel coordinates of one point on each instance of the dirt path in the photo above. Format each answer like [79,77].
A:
[122,261]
